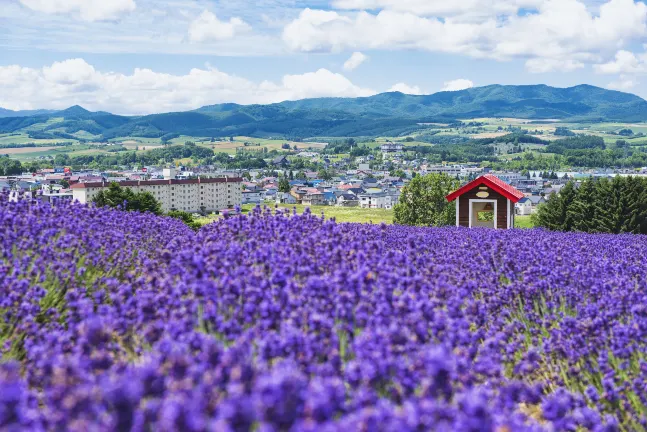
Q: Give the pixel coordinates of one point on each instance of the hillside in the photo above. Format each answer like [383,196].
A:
[385,114]
[532,102]
[4,113]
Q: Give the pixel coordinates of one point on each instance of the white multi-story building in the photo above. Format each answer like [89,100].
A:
[207,194]
[375,200]
[391,147]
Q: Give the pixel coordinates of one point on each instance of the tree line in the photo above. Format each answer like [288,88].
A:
[617,205]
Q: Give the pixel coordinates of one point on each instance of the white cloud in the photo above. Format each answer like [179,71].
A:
[625,62]
[543,65]
[88,10]
[145,91]
[457,84]
[442,7]
[623,84]
[355,60]
[562,34]
[406,89]
[207,27]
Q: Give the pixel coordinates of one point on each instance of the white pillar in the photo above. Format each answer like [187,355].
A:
[509,214]
[458,220]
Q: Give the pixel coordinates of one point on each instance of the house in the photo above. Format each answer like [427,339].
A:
[523,207]
[281,161]
[299,193]
[486,202]
[536,200]
[347,200]
[253,196]
[355,191]
[391,147]
[270,194]
[285,198]
[370,182]
[374,200]
[313,198]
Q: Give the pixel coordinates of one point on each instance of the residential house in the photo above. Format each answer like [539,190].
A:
[391,147]
[330,198]
[281,161]
[355,190]
[527,206]
[285,198]
[375,200]
[313,198]
[370,183]
[270,194]
[347,200]
[523,207]
[536,201]
[253,196]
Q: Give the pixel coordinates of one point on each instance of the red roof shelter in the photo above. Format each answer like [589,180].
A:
[486,202]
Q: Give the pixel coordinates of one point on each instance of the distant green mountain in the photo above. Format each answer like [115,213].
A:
[531,102]
[388,114]
[4,113]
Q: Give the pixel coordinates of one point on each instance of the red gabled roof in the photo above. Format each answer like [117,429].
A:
[494,183]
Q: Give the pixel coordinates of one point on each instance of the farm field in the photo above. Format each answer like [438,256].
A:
[32,153]
[23,138]
[284,322]
[25,150]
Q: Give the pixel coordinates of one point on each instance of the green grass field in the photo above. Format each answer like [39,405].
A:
[523,222]
[352,214]
[340,214]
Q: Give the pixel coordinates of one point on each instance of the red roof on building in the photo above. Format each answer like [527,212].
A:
[494,183]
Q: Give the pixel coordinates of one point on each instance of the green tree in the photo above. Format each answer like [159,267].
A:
[185,217]
[284,185]
[423,203]
[582,210]
[61,160]
[117,196]
[324,174]
[554,214]
[10,167]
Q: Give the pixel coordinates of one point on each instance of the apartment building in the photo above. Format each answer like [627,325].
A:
[211,194]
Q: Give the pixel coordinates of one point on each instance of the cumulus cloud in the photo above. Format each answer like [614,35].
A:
[355,60]
[457,84]
[406,89]
[624,62]
[623,84]
[543,65]
[87,10]
[469,8]
[145,91]
[559,32]
[207,27]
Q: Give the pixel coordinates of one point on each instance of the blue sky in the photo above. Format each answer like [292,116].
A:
[144,56]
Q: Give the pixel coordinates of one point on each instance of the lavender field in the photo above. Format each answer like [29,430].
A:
[123,321]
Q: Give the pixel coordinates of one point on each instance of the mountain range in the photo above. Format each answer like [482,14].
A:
[388,114]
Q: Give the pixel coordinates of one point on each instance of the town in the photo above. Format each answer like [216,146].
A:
[348,182]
